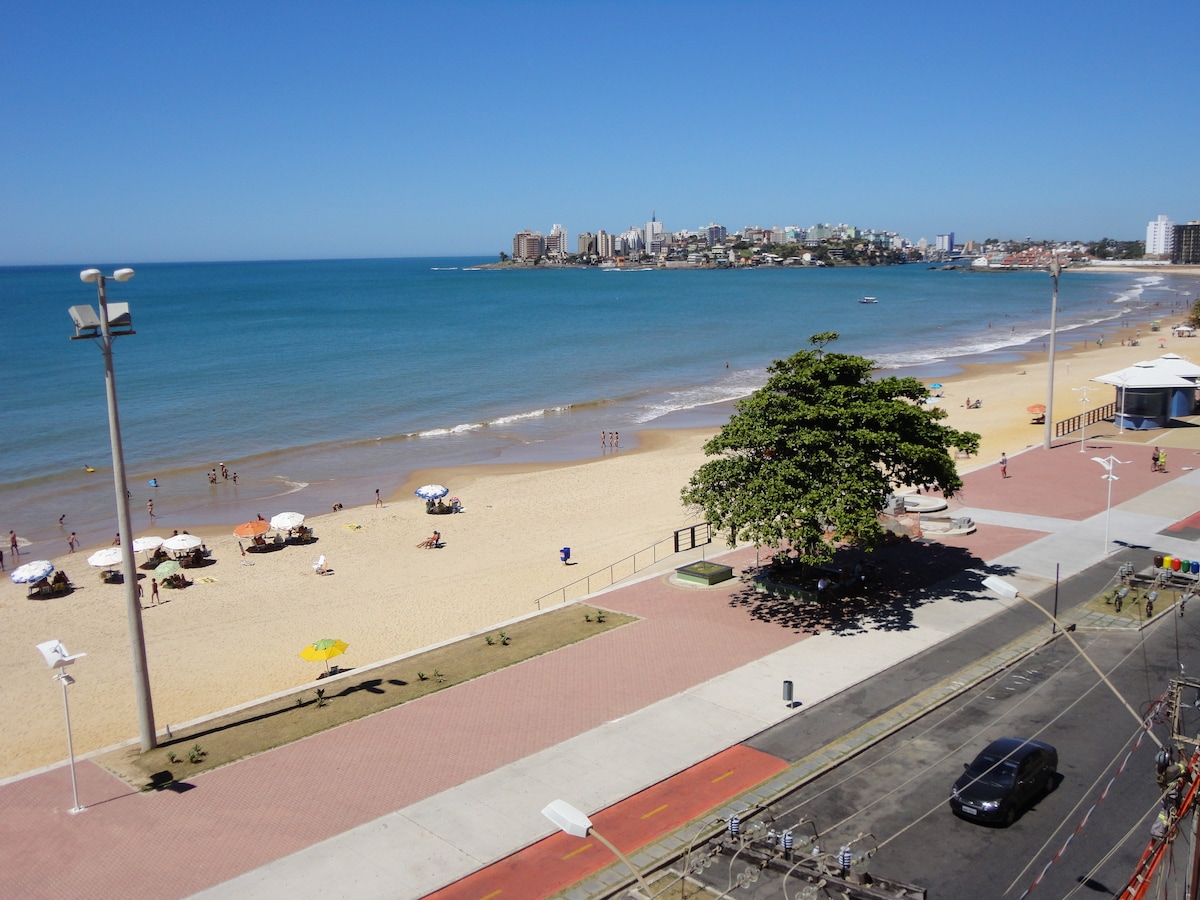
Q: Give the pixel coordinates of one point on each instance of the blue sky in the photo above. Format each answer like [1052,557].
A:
[140,132]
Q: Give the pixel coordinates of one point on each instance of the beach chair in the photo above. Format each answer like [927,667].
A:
[319,566]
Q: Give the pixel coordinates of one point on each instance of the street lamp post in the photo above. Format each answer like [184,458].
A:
[571,820]
[57,658]
[1087,388]
[88,325]
[1055,270]
[1009,591]
[1110,476]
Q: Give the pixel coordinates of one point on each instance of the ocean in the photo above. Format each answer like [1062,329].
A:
[319,381]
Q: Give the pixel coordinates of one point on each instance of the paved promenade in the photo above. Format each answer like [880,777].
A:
[411,800]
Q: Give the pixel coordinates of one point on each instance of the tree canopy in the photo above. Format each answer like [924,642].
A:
[816,452]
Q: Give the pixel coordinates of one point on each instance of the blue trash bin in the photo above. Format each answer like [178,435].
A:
[565,552]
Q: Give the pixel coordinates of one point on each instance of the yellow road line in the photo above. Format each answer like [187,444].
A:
[586,846]
[722,777]
[655,811]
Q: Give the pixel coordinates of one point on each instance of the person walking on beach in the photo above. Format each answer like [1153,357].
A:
[1003,465]
[604,439]
[150,508]
[616,440]
[12,543]
[71,541]
[154,600]
[378,501]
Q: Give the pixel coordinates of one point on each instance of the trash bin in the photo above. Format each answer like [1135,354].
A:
[1195,567]
[787,692]
[1176,562]
[1158,562]
[1166,562]
[565,553]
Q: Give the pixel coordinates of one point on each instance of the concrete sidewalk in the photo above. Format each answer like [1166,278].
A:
[408,801]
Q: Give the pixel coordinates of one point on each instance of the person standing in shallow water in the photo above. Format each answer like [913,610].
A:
[1003,465]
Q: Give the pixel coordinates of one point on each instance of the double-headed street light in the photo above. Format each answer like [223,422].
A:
[1087,389]
[114,321]
[1109,462]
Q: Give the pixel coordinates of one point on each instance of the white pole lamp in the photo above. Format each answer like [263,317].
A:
[569,819]
[57,658]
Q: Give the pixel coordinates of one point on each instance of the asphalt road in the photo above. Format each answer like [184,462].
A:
[896,793]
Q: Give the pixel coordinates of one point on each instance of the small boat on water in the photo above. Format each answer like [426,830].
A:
[868,300]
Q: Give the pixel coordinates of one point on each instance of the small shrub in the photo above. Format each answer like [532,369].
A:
[504,638]
[172,758]
[421,676]
[587,617]
[196,754]
[321,701]
[600,617]
[490,640]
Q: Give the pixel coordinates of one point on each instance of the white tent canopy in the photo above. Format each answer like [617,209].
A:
[1144,374]
[1177,365]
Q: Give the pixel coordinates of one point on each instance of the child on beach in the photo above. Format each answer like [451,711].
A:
[1003,465]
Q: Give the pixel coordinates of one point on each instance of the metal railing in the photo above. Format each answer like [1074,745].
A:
[1075,423]
[682,539]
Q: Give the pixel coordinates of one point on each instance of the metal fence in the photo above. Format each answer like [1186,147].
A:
[683,539]
[1092,416]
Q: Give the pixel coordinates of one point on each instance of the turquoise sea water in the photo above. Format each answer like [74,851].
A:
[319,381]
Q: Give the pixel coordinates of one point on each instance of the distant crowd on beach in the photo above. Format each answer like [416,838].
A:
[610,439]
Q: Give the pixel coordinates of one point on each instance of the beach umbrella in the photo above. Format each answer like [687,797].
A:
[432,491]
[181,542]
[1036,409]
[324,649]
[285,521]
[936,385]
[146,543]
[252,529]
[31,571]
[166,569]
[106,558]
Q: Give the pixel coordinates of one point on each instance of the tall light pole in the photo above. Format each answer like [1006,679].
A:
[1055,271]
[1110,476]
[1084,400]
[88,325]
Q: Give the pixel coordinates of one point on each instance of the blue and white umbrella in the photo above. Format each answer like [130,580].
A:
[432,491]
[31,571]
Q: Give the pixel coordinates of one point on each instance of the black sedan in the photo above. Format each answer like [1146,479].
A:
[1004,779]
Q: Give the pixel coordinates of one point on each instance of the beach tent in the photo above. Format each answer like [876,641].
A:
[1148,395]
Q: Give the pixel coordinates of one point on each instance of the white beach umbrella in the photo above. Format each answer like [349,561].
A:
[106,558]
[31,571]
[432,491]
[146,543]
[285,521]
[182,542]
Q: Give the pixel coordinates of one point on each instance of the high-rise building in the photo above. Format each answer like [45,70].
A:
[714,234]
[945,243]
[528,245]
[606,247]
[1186,251]
[1160,237]
[654,235]
[586,244]
[556,242]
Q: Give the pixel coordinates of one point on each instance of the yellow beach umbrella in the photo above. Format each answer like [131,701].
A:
[324,649]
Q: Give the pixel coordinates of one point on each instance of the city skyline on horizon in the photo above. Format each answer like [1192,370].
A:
[377,131]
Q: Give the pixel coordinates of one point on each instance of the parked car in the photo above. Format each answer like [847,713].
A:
[1008,776]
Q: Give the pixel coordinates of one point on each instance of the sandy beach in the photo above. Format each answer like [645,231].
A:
[235,635]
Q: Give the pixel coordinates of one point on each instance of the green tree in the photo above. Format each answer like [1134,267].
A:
[815,453]
[503,256]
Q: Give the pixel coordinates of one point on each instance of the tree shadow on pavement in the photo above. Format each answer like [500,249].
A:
[901,577]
